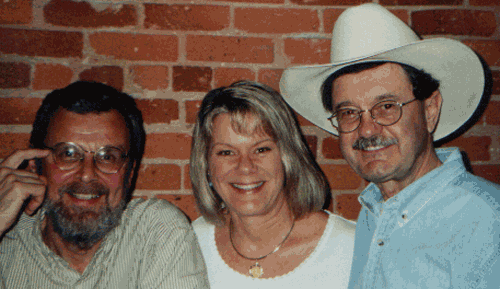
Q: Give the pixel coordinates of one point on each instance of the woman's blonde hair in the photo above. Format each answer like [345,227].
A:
[306,188]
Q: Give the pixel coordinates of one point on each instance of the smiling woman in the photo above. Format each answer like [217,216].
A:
[261,194]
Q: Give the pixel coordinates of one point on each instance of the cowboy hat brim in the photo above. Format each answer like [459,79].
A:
[456,66]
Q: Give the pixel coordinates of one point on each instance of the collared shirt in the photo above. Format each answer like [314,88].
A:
[442,231]
[153,247]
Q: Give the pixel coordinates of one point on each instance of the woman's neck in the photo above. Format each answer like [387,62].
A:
[259,234]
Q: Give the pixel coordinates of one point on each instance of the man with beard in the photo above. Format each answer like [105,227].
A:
[87,144]
[425,221]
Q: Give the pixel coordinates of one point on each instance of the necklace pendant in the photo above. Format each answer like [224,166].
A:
[256,270]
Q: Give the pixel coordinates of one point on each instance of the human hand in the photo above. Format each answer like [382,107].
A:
[17,186]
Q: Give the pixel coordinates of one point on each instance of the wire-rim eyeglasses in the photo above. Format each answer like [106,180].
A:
[386,113]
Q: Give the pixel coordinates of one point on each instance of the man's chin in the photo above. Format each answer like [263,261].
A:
[376,176]
[83,228]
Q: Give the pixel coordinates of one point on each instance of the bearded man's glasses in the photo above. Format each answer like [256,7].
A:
[69,156]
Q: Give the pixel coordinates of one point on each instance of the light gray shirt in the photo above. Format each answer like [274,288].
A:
[153,247]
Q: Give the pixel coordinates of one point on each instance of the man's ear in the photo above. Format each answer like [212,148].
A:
[129,181]
[433,110]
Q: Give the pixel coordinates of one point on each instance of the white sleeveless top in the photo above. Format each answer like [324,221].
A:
[328,266]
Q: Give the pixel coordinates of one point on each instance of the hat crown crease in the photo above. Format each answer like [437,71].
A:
[378,32]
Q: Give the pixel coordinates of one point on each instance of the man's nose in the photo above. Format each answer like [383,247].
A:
[87,169]
[368,126]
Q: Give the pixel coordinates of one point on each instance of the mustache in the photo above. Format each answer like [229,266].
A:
[364,143]
[85,189]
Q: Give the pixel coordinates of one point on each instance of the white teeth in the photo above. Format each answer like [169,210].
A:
[374,148]
[85,197]
[247,187]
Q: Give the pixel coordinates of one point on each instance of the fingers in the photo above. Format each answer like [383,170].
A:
[14,191]
[37,196]
[14,160]
[17,186]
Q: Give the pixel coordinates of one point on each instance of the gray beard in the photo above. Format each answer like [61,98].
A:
[83,228]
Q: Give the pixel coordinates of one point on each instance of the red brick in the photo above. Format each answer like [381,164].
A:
[229,49]
[41,43]
[348,206]
[187,17]
[186,203]
[82,14]
[496,82]
[484,3]
[491,115]
[18,110]
[152,77]
[187,180]
[192,107]
[192,78]
[158,110]
[271,77]
[489,172]
[402,14]
[14,75]
[312,142]
[168,145]
[329,2]
[331,148]
[253,1]
[454,22]
[308,51]
[16,12]
[226,76]
[135,46]
[488,49]
[51,76]
[330,16]
[110,75]
[12,142]
[342,177]
[476,148]
[421,2]
[159,177]
[276,20]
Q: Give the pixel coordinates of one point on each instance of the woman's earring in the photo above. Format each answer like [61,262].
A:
[210,182]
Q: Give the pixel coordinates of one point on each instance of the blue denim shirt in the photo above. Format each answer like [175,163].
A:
[442,231]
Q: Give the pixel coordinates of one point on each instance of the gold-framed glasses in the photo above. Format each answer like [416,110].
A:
[68,156]
[387,112]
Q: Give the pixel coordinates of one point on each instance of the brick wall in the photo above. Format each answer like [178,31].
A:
[167,54]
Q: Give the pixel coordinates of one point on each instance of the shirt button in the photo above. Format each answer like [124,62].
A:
[380,242]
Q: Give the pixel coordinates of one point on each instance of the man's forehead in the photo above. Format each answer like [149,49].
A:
[106,127]
[370,85]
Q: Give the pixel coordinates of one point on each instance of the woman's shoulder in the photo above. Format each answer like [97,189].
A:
[201,223]
[326,221]
[340,224]
[202,227]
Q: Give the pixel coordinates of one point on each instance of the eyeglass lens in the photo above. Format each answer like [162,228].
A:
[384,113]
[107,159]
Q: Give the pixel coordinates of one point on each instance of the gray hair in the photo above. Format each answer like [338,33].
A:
[306,187]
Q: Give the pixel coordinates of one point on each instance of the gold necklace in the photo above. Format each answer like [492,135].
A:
[256,270]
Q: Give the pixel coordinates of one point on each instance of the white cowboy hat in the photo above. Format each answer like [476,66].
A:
[369,33]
